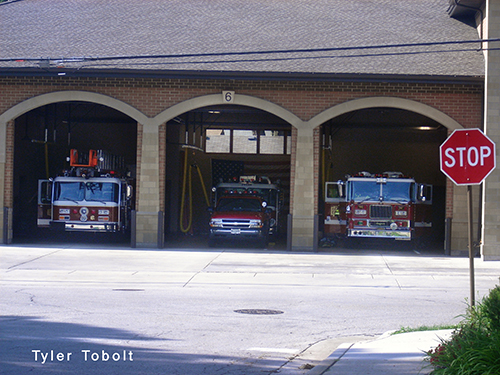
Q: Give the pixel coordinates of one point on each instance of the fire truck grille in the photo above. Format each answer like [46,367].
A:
[236,223]
[381,212]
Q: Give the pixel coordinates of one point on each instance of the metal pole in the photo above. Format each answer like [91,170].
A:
[471,247]
[161,237]
[447,237]
[133,238]
[289,232]
[7,225]
[316,233]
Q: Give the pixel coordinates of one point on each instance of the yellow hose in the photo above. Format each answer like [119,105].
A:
[203,186]
[188,177]
[181,220]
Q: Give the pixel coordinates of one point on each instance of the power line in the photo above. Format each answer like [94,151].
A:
[267,52]
[186,62]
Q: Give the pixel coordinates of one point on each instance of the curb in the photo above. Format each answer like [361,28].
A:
[333,358]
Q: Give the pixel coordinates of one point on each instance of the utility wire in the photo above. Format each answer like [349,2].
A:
[227,61]
[268,52]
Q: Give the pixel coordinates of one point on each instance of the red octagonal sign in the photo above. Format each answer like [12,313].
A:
[467,156]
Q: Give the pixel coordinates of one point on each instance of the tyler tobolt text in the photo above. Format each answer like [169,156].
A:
[86,355]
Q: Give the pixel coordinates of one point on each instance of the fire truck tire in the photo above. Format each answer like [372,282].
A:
[265,240]
[212,242]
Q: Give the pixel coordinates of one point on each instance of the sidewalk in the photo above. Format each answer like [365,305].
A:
[400,354]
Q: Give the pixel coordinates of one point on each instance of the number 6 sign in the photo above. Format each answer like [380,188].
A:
[228,96]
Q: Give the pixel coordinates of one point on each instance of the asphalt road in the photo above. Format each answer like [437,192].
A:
[113,310]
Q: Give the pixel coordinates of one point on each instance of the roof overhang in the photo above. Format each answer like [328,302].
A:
[63,73]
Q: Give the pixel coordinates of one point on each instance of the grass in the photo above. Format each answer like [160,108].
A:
[425,328]
[474,346]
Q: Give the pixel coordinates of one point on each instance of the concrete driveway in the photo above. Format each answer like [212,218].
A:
[194,310]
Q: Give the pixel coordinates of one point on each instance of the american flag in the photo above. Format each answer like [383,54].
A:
[223,170]
[278,172]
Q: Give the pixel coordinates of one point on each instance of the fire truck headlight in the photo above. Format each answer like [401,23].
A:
[394,226]
[401,213]
[360,212]
[255,223]
[216,223]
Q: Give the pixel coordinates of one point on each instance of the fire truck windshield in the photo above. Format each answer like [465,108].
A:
[266,194]
[239,204]
[86,191]
[398,191]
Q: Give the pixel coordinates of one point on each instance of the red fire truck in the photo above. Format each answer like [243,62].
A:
[387,205]
[93,196]
[247,207]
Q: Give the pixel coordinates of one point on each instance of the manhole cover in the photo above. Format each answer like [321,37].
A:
[259,311]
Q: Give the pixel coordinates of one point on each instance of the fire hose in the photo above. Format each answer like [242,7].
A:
[187,178]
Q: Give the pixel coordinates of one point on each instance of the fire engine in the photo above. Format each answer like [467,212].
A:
[94,195]
[254,209]
[388,205]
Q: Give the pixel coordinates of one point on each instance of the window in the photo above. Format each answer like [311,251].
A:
[272,142]
[218,141]
[246,141]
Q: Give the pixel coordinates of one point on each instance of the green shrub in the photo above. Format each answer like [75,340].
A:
[474,347]
[491,306]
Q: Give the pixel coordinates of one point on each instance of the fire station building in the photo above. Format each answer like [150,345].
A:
[304,92]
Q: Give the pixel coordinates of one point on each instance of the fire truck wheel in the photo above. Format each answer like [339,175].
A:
[265,240]
[212,242]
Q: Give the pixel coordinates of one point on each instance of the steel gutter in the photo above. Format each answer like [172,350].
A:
[239,75]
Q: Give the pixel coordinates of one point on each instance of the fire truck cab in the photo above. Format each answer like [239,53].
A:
[91,197]
[388,205]
[246,208]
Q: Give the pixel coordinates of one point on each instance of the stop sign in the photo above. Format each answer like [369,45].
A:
[467,157]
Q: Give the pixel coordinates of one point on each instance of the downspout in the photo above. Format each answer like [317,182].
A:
[479,219]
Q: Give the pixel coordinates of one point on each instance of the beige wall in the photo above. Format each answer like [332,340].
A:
[491,201]
[304,168]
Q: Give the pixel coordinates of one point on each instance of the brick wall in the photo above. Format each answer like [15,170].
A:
[306,99]
[461,102]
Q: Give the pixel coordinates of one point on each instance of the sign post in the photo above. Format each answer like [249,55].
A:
[467,157]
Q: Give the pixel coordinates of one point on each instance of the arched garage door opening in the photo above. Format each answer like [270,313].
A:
[44,137]
[378,140]
[214,144]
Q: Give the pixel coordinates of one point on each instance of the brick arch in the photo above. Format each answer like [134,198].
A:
[65,96]
[217,99]
[390,102]
[8,117]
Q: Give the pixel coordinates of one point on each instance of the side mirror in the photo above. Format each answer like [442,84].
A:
[341,187]
[129,192]
[425,193]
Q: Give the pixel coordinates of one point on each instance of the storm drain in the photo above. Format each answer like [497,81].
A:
[259,311]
